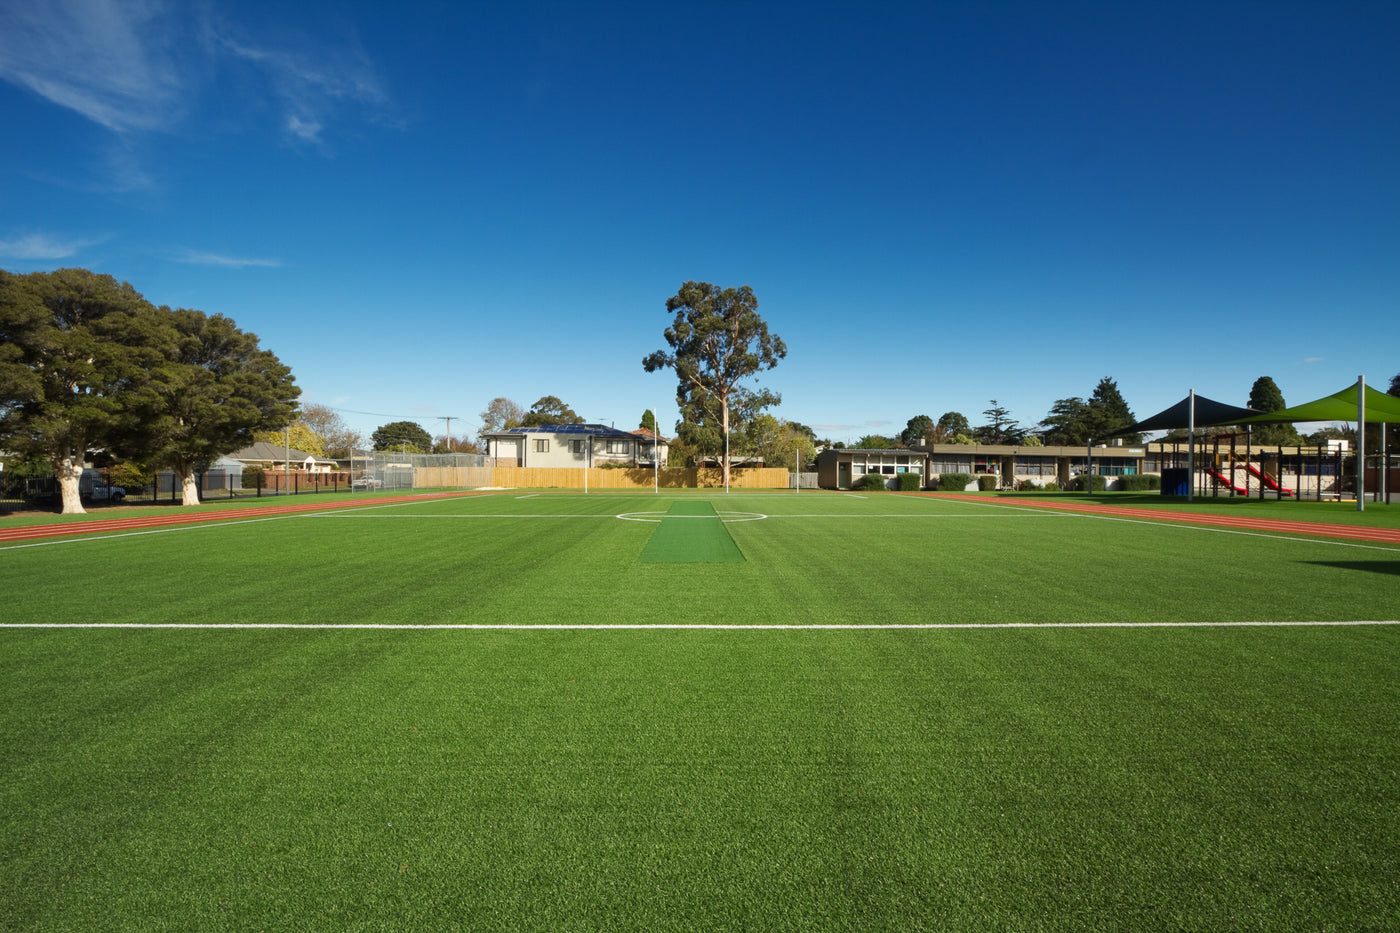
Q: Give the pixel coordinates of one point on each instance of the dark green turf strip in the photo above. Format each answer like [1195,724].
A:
[691,533]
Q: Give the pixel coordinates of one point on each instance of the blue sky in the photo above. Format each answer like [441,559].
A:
[422,206]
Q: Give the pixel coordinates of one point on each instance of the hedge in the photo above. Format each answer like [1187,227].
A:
[954,482]
[1076,484]
[909,482]
[1138,482]
[870,482]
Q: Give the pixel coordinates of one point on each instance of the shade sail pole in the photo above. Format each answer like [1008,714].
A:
[1191,446]
[1360,443]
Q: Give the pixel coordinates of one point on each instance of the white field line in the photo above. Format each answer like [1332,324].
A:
[213,523]
[623,626]
[994,510]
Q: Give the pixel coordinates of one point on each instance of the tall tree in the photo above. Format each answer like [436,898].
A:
[549,410]
[298,436]
[874,442]
[77,349]
[916,431]
[951,424]
[1265,395]
[402,435]
[340,439]
[648,422]
[1001,428]
[1067,423]
[501,415]
[1108,413]
[1394,385]
[210,395]
[718,341]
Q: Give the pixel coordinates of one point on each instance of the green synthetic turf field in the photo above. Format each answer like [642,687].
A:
[1160,769]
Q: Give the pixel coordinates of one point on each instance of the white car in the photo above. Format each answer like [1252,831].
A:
[101,492]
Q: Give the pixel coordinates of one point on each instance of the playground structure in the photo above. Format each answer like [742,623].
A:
[1230,465]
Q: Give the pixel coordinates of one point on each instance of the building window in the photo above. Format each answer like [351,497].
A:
[575,447]
[541,446]
[619,447]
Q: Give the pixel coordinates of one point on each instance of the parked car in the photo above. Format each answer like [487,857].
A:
[366,482]
[99,491]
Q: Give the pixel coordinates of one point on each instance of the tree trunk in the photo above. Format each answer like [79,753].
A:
[724,424]
[189,488]
[69,471]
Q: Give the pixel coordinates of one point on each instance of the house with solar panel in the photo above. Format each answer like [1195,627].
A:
[575,445]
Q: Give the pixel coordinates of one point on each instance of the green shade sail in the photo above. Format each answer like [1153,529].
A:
[1339,406]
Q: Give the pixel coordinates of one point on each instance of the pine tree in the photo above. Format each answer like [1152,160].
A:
[1109,413]
[1265,395]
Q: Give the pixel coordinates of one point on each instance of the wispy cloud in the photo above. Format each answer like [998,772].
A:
[42,246]
[144,65]
[311,79]
[106,60]
[198,258]
[1314,359]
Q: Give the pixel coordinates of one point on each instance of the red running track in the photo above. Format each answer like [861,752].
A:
[1350,532]
[105,525]
[100,526]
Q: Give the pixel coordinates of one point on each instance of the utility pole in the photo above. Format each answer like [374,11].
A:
[448,419]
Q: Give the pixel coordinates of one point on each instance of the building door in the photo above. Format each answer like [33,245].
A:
[843,475]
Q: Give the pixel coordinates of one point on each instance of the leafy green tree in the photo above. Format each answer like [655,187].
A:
[340,439]
[402,435]
[1000,429]
[917,430]
[211,395]
[549,410]
[1394,385]
[950,424]
[701,429]
[77,350]
[1067,423]
[442,444]
[796,437]
[648,422]
[1109,412]
[1266,396]
[875,442]
[718,341]
[501,415]
[298,436]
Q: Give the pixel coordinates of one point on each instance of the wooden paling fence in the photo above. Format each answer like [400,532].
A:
[561,478]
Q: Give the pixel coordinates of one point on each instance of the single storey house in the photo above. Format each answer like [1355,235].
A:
[572,445]
[276,457]
[840,467]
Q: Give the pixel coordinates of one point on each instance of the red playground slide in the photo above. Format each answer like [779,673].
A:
[1268,481]
[1224,481]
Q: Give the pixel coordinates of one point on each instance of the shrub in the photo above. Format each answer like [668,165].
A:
[986,482]
[1051,486]
[254,477]
[870,482]
[909,482]
[1138,482]
[1081,483]
[954,482]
